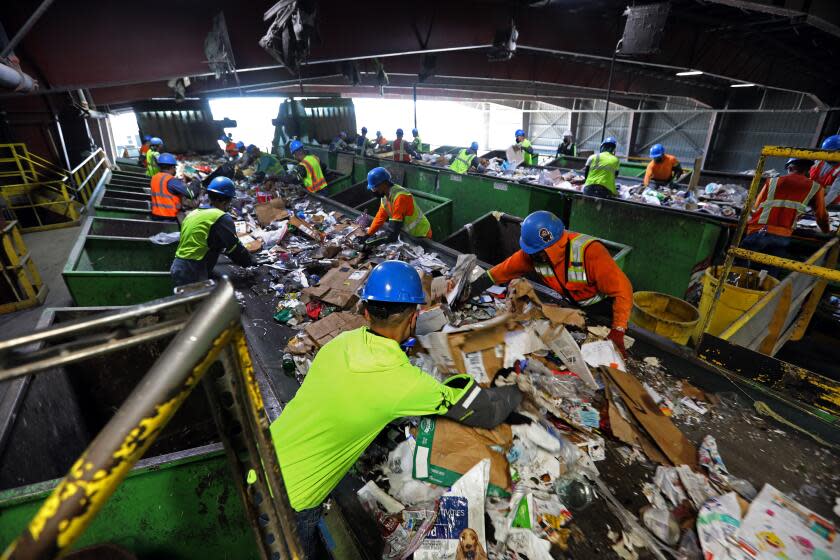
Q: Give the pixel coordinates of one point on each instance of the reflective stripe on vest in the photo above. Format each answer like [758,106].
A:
[461,164]
[772,202]
[164,203]
[575,266]
[314,180]
[416,225]
[826,174]
[194,233]
[399,150]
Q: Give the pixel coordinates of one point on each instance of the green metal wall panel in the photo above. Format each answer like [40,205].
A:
[667,246]
[183,509]
[474,196]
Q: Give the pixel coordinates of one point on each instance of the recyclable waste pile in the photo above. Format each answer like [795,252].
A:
[533,487]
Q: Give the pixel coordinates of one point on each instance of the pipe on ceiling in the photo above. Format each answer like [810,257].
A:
[15,80]
[36,15]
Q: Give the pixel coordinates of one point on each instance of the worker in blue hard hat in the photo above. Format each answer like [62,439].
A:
[574,265]
[466,160]
[308,171]
[206,233]
[403,151]
[167,191]
[416,142]
[663,168]
[358,383]
[828,174]
[240,148]
[362,142]
[155,147]
[529,156]
[251,155]
[601,169]
[397,210]
[144,148]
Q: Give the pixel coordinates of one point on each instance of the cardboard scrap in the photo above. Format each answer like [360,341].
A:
[446,450]
[306,228]
[625,430]
[564,347]
[693,392]
[338,286]
[521,292]
[670,440]
[326,329]
[271,211]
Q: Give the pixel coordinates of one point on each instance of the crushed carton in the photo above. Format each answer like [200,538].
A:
[306,228]
[271,211]
[338,286]
[324,330]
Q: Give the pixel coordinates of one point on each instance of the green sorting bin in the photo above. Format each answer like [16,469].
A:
[110,270]
[115,207]
[117,192]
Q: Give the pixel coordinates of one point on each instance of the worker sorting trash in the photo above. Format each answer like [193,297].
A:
[247,312]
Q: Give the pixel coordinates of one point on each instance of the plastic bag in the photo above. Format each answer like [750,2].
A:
[459,529]
[663,524]
[165,238]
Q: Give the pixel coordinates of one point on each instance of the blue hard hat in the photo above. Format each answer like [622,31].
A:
[657,151]
[251,148]
[831,143]
[364,130]
[240,145]
[609,141]
[414,131]
[155,141]
[540,229]
[223,186]
[395,282]
[474,146]
[295,146]
[146,138]
[400,132]
[167,159]
[520,132]
[376,176]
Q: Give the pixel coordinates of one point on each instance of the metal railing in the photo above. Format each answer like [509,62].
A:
[86,175]
[205,336]
[783,313]
[22,286]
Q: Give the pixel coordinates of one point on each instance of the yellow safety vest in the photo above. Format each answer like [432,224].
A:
[314,180]
[602,168]
[461,164]
[152,168]
[528,159]
[416,225]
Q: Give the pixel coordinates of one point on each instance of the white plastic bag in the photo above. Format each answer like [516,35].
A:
[459,528]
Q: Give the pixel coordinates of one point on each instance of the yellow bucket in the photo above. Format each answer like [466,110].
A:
[734,300]
[665,315]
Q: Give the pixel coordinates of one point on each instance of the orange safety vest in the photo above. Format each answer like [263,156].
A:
[164,203]
[788,198]
[143,149]
[231,149]
[400,154]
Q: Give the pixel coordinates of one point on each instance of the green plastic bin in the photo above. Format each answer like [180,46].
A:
[111,270]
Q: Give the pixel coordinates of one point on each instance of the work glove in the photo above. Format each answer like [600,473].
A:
[617,337]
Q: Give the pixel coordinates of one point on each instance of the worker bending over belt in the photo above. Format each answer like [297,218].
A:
[779,205]
[573,264]
[828,174]
[467,160]
[167,190]
[397,206]
[155,146]
[403,151]
[600,171]
[308,171]
[206,233]
[339,143]
[358,383]
[362,142]
[663,168]
[529,156]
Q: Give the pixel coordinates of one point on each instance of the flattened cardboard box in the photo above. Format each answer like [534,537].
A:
[338,286]
[326,329]
[271,211]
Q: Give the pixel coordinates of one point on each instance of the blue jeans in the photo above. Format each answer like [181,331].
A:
[187,271]
[307,522]
[763,242]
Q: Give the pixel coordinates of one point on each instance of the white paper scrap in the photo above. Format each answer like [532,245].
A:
[602,353]
[475,367]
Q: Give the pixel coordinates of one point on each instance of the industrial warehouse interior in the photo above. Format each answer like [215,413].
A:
[501,279]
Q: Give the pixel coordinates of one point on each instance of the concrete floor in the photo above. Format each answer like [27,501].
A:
[49,250]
